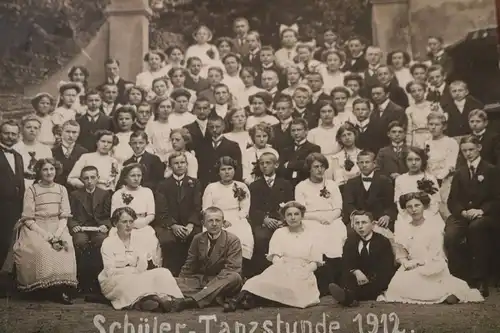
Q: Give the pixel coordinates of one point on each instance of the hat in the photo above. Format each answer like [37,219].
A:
[266,97]
[63,86]
[160,53]
[35,100]
[180,92]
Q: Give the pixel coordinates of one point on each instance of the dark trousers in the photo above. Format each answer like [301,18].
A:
[174,250]
[367,292]
[262,237]
[330,272]
[88,257]
[467,245]
[8,218]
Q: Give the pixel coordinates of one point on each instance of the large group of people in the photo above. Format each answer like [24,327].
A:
[236,174]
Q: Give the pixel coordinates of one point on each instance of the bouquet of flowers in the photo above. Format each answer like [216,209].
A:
[348,164]
[32,161]
[59,244]
[427,186]
[324,193]
[127,198]
[211,54]
[256,172]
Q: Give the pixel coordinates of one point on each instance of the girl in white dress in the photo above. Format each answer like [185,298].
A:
[181,115]
[353,82]
[290,279]
[155,61]
[416,179]
[43,104]
[261,135]
[332,74]
[180,138]
[340,95]
[159,129]
[260,104]
[418,132]
[423,277]
[141,200]
[68,92]
[106,165]
[125,279]
[124,119]
[294,76]
[232,65]
[135,95]
[233,198]
[177,77]
[399,62]
[323,203]
[248,76]
[443,154]
[175,58]
[161,88]
[323,134]
[236,120]
[80,75]
[208,53]
[343,164]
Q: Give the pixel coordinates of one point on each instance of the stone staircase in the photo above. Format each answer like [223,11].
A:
[14,105]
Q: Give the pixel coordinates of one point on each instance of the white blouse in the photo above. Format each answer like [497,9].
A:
[267,118]
[107,166]
[159,138]
[250,157]
[179,120]
[443,155]
[325,138]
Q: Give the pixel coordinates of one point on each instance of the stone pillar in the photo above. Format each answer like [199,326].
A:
[129,34]
[391,24]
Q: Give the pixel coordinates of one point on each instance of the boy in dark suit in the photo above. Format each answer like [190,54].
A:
[193,80]
[198,128]
[438,55]
[302,98]
[356,61]
[109,93]
[398,95]
[113,77]
[178,207]
[143,115]
[92,121]
[490,141]
[315,82]
[292,160]
[370,191]
[368,263]
[367,130]
[473,202]
[211,151]
[439,91]
[213,267]
[68,152]
[373,56]
[267,62]
[384,112]
[282,137]
[266,195]
[90,207]
[391,159]
[252,57]
[459,108]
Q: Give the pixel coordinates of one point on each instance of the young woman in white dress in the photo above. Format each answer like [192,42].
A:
[180,138]
[416,179]
[43,104]
[248,76]
[106,164]
[294,76]
[323,134]
[343,164]
[290,280]
[124,119]
[332,73]
[261,135]
[323,202]
[233,198]
[175,57]
[236,120]
[155,60]
[399,62]
[182,115]
[161,88]
[159,129]
[125,279]
[340,95]
[208,53]
[260,104]
[424,277]
[232,79]
[141,200]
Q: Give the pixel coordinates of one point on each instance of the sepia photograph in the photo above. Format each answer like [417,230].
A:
[249,166]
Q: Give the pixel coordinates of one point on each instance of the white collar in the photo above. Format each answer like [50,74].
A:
[210,237]
[286,121]
[363,123]
[480,133]
[178,178]
[300,110]
[474,163]
[300,143]
[439,54]
[255,52]
[399,145]
[383,106]
[221,106]
[95,115]
[91,192]
[317,93]
[218,139]
[273,91]
[369,238]
[268,65]
[68,146]
[202,122]
[369,176]
[441,87]
[460,103]
[272,178]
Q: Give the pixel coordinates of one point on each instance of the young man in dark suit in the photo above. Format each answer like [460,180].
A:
[110,103]
[356,61]
[302,98]
[370,191]
[68,152]
[212,271]
[155,168]
[315,82]
[271,82]
[292,160]
[384,112]
[439,91]
[391,159]
[90,207]
[198,128]
[266,195]
[367,130]
[210,152]
[398,95]
[368,263]
[373,56]
[241,27]
[178,208]
[112,67]
[282,137]
[12,194]
[268,62]
[193,79]
[489,139]
[459,108]
[92,121]
[474,202]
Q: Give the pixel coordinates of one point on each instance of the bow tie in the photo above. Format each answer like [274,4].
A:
[367,179]
[479,137]
[7,150]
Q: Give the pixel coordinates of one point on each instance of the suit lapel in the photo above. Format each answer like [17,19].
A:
[183,189]
[218,249]
[4,161]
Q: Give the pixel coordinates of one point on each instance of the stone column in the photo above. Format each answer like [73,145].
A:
[391,24]
[129,34]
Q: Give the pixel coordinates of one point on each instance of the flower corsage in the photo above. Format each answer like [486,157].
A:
[127,198]
[427,186]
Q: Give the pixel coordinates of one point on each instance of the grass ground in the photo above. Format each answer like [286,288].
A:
[45,317]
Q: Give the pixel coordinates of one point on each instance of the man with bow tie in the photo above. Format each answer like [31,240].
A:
[112,69]
[92,121]
[12,180]
[241,27]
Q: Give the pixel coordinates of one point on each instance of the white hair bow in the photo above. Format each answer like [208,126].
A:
[293,27]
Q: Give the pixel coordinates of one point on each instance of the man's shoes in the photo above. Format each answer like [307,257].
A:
[248,302]
[166,305]
[180,304]
[230,305]
[147,305]
[65,299]
[342,296]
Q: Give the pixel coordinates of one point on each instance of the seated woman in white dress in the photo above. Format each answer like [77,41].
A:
[182,115]
[43,251]
[416,179]
[323,203]
[233,198]
[423,277]
[155,60]
[290,280]
[125,279]
[106,164]
[141,200]
[324,134]
[261,134]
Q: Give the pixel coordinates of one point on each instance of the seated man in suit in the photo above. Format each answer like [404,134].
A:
[370,191]
[212,271]
[367,130]
[68,152]
[178,208]
[368,263]
[292,161]
[391,159]
[211,151]
[473,202]
[266,195]
[91,207]
[152,163]
[110,104]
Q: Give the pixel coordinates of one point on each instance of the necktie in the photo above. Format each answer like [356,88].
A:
[367,179]
[472,171]
[137,158]
[67,152]
[269,182]
[216,144]
[250,57]
[364,250]
[90,197]
[297,147]
[32,161]
[212,245]
[479,137]
[7,150]
[179,188]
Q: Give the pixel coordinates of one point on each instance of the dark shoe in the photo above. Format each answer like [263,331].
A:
[452,299]
[166,305]
[484,290]
[147,305]
[230,305]
[248,302]
[65,299]
[338,293]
